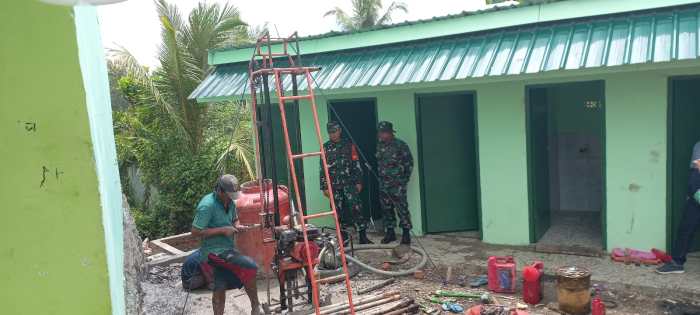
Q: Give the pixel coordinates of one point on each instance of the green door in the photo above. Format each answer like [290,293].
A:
[538,160]
[360,118]
[684,133]
[447,151]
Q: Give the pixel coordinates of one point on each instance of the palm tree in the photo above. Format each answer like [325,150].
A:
[183,61]
[365,14]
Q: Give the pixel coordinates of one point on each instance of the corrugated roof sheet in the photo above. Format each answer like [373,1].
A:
[588,43]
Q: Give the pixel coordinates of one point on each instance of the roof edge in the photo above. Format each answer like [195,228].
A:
[490,20]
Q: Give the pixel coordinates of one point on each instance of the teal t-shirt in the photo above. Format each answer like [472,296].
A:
[212,214]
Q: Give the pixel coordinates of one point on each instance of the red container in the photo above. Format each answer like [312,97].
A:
[249,207]
[597,306]
[532,283]
[501,274]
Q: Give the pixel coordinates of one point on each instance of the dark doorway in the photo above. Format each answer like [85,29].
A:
[565,166]
[270,115]
[448,165]
[360,119]
[684,115]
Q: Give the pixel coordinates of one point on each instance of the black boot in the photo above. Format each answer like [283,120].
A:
[406,237]
[363,237]
[389,236]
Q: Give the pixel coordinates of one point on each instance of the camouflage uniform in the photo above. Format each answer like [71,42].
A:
[345,173]
[394,164]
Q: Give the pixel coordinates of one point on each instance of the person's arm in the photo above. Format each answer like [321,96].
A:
[201,222]
[322,176]
[207,233]
[695,184]
[356,171]
[408,163]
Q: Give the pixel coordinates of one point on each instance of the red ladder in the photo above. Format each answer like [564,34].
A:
[278,74]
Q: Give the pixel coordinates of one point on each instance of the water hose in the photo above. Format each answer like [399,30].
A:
[362,265]
[419,251]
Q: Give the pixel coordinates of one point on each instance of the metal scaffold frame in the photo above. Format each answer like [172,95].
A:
[261,69]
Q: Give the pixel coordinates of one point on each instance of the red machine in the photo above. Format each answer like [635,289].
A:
[532,283]
[291,262]
[501,274]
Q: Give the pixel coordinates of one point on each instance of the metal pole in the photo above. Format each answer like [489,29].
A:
[272,157]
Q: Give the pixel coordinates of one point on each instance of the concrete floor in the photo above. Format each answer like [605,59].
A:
[573,232]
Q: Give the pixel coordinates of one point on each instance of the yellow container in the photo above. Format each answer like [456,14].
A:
[574,290]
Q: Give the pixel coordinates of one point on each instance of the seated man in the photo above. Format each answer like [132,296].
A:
[216,222]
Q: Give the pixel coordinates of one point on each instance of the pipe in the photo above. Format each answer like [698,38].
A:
[408,310]
[421,264]
[370,305]
[406,302]
[334,309]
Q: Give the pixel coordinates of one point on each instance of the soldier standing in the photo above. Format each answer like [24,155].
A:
[395,164]
[346,179]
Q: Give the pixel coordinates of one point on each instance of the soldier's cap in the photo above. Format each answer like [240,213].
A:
[385,126]
[228,184]
[332,126]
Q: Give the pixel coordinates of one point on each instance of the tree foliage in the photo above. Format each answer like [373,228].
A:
[179,145]
[365,14]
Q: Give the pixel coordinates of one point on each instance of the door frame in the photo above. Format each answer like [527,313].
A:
[530,171]
[669,155]
[419,151]
[329,111]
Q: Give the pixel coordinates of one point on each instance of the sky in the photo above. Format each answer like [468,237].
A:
[134,25]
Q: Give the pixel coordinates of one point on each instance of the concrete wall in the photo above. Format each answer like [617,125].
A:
[503,163]
[59,233]
[635,107]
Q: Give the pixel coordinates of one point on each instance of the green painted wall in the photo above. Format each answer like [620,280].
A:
[53,249]
[636,106]
[503,163]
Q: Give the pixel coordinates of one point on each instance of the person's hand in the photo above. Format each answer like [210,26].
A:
[229,231]
[359,187]
[326,193]
[239,227]
[697,164]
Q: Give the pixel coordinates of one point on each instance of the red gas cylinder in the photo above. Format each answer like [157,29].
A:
[249,206]
[501,274]
[532,283]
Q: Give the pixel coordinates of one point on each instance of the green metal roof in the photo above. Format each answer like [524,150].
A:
[456,24]
[632,38]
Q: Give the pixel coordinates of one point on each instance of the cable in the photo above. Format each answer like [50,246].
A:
[185,305]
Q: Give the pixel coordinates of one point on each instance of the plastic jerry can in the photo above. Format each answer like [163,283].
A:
[501,274]
[532,283]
